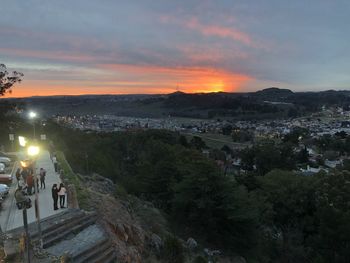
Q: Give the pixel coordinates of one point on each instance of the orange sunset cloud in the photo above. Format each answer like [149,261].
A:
[219,31]
[193,79]
[136,79]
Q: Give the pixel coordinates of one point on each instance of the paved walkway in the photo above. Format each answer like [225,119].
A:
[11,217]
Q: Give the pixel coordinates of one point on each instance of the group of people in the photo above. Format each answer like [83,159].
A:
[58,193]
[26,185]
[26,179]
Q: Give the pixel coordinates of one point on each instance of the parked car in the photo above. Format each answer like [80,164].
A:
[4,154]
[4,190]
[2,168]
[5,160]
[6,178]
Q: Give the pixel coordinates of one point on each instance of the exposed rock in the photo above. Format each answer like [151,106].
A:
[150,218]
[211,253]
[239,259]
[156,242]
[125,232]
[120,232]
[72,201]
[98,183]
[191,243]
[236,259]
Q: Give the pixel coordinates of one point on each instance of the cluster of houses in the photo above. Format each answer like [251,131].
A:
[318,124]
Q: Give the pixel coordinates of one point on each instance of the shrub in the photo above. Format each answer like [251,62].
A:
[173,251]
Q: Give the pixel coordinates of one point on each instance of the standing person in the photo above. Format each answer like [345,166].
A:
[24,174]
[62,194]
[42,178]
[54,160]
[51,149]
[30,183]
[54,191]
[18,175]
[37,178]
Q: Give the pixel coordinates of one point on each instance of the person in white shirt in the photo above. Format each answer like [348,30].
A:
[62,194]
[55,163]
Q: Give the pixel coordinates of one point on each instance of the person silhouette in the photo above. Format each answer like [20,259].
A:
[62,194]
[54,191]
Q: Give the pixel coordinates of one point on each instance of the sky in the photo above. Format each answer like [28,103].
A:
[160,46]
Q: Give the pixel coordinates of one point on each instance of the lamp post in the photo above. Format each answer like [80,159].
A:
[33,151]
[25,164]
[32,116]
[25,222]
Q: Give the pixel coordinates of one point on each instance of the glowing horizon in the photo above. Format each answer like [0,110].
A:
[151,80]
[157,47]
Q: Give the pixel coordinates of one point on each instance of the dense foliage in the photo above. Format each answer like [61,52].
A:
[7,79]
[156,166]
[268,155]
[266,214]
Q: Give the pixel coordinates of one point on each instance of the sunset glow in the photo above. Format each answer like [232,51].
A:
[157,47]
[131,79]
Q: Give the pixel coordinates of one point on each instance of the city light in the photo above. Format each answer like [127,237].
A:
[22,141]
[32,114]
[33,150]
[25,163]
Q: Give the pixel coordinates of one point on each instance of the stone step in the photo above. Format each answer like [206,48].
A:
[56,222]
[108,256]
[47,242]
[64,226]
[112,258]
[93,251]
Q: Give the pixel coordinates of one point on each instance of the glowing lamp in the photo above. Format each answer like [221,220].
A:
[33,150]
[22,141]
[32,114]
[24,164]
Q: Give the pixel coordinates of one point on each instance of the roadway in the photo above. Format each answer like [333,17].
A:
[11,217]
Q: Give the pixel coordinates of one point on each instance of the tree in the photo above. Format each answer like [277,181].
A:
[268,155]
[303,155]
[173,251]
[215,206]
[8,121]
[227,150]
[296,135]
[289,212]
[242,136]
[197,143]
[7,80]
[333,211]
[227,130]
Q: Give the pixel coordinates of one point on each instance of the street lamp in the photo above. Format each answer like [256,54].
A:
[22,141]
[33,152]
[32,115]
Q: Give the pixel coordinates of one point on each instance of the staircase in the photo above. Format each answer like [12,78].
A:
[76,233]
[66,228]
[100,252]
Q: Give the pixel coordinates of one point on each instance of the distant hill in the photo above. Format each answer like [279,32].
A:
[268,103]
[273,93]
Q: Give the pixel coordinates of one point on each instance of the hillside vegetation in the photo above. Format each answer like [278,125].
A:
[271,216]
